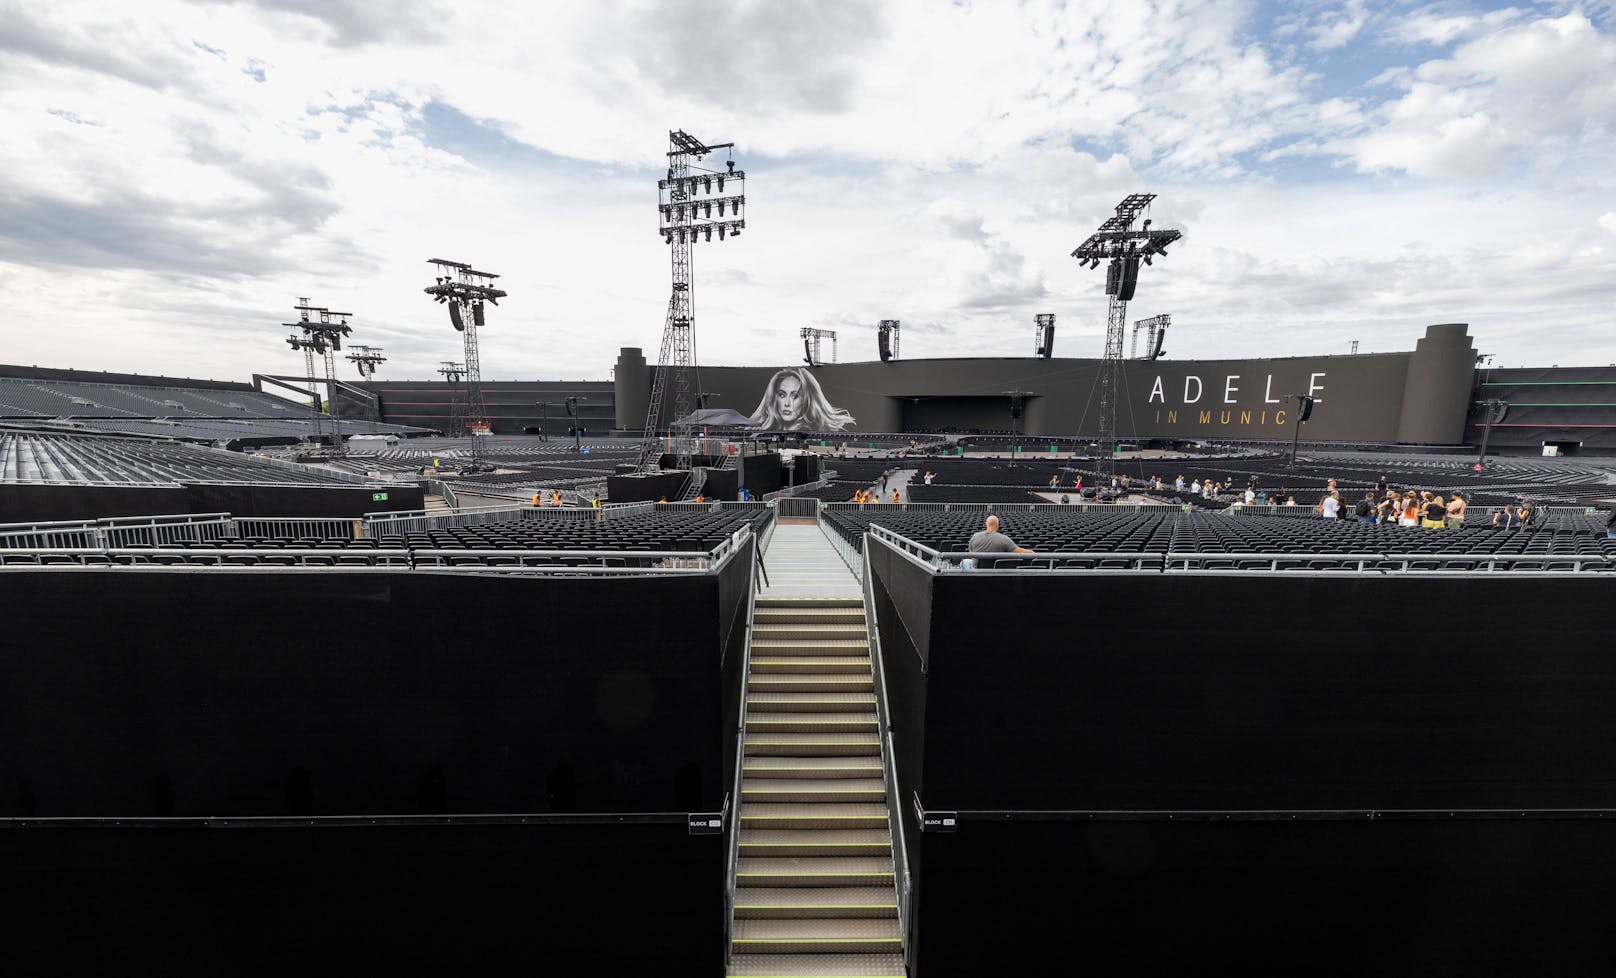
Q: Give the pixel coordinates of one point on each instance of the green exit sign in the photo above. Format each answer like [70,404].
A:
[378,497]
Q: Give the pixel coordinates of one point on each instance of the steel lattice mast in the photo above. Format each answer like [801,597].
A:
[367,359]
[465,290]
[1122,246]
[688,199]
[322,336]
[453,372]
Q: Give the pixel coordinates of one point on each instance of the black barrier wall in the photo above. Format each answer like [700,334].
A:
[451,899]
[25,503]
[298,693]
[1036,706]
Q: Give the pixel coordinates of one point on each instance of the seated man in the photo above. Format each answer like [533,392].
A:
[989,540]
[1506,517]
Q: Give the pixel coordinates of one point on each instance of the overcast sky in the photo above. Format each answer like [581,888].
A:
[174,175]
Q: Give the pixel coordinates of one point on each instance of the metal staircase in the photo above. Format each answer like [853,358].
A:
[814,884]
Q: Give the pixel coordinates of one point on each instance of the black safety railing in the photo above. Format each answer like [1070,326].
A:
[1201,561]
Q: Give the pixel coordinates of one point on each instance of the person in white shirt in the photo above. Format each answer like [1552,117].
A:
[1330,505]
[1195,487]
[1251,495]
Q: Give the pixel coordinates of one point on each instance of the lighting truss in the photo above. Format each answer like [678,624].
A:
[887,339]
[1043,339]
[321,331]
[453,372]
[367,358]
[693,204]
[466,291]
[1155,334]
[811,347]
[1122,247]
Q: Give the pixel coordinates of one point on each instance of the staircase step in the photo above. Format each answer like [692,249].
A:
[808,815]
[811,744]
[811,767]
[803,965]
[809,702]
[813,789]
[781,632]
[811,722]
[814,871]
[763,645]
[816,935]
[816,842]
[807,616]
[798,683]
[815,901]
[772,663]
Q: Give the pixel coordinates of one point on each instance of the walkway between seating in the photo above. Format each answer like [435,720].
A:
[801,563]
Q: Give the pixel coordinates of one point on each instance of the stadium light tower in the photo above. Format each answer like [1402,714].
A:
[1122,247]
[1155,335]
[465,290]
[367,358]
[452,372]
[693,202]
[1043,335]
[321,331]
[886,339]
[812,351]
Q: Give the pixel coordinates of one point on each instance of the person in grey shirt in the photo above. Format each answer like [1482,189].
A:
[989,540]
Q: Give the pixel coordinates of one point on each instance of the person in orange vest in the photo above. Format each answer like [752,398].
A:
[700,498]
[555,498]
[662,499]
[538,499]
[895,496]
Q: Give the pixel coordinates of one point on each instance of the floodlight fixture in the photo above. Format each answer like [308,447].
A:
[1121,247]
[692,203]
[465,290]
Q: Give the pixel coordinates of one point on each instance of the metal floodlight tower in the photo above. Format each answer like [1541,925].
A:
[1122,247]
[1043,335]
[465,290]
[367,358]
[887,339]
[321,332]
[1155,334]
[692,202]
[811,348]
[452,372]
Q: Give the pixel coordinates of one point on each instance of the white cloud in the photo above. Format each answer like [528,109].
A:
[1530,96]
[173,181]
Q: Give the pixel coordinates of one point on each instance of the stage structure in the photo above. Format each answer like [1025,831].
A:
[887,339]
[812,352]
[1122,247]
[367,358]
[453,372]
[318,334]
[1043,340]
[1155,334]
[466,291]
[687,201]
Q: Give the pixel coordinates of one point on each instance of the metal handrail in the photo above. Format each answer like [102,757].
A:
[900,848]
[733,824]
[1180,561]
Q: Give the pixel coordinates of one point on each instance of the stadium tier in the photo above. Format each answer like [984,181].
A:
[159,410]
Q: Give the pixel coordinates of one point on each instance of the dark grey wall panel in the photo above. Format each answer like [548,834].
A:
[1359,398]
